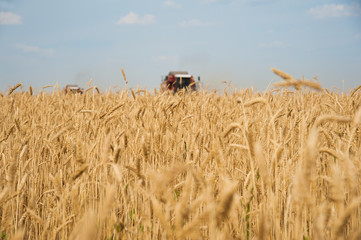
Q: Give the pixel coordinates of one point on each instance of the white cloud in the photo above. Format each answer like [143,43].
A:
[134,19]
[195,23]
[220,1]
[274,44]
[165,58]
[171,4]
[8,18]
[335,10]
[35,49]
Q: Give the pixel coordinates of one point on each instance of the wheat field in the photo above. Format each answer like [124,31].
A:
[147,165]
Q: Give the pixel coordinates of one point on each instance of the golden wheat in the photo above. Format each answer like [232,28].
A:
[14,88]
[141,165]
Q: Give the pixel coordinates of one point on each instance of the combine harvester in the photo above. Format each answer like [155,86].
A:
[70,88]
[176,80]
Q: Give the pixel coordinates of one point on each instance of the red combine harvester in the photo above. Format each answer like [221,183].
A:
[176,80]
[73,89]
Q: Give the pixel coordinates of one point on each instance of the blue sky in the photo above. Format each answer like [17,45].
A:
[46,42]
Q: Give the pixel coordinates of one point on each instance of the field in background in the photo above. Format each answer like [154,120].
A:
[244,165]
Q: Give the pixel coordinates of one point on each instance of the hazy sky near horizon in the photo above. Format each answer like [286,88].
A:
[46,42]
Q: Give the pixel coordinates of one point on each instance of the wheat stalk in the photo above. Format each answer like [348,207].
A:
[14,88]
